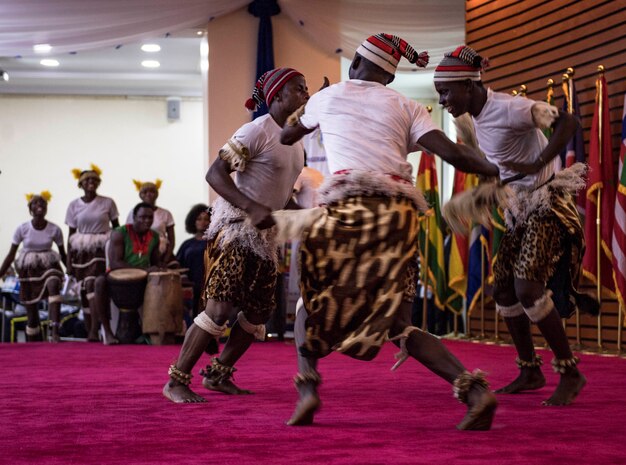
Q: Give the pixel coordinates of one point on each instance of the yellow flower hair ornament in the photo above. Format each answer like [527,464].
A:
[139,185]
[46,195]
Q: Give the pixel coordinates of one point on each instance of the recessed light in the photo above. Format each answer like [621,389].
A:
[199,33]
[49,62]
[150,48]
[4,76]
[42,48]
[150,64]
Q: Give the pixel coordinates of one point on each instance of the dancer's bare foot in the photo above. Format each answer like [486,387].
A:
[181,394]
[226,386]
[529,379]
[480,410]
[571,383]
[305,410]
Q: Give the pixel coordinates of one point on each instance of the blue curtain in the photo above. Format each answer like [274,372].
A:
[264,10]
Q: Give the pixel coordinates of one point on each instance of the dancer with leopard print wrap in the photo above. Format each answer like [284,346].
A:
[241,257]
[540,254]
[356,258]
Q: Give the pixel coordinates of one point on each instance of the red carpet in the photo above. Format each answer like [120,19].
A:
[78,403]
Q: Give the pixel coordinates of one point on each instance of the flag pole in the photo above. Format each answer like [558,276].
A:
[522,90]
[425,277]
[599,207]
[620,323]
[482,292]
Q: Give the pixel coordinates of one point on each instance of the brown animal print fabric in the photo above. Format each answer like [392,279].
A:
[234,274]
[354,263]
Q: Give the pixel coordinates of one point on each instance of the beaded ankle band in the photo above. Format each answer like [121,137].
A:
[536,362]
[217,372]
[465,381]
[309,377]
[561,365]
[180,376]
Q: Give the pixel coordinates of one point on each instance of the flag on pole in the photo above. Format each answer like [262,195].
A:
[459,251]
[618,246]
[575,150]
[431,223]
[600,185]
[550,100]
[477,266]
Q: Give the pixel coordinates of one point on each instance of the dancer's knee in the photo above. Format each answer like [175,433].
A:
[528,292]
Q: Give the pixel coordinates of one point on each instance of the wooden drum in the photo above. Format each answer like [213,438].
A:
[126,288]
[163,307]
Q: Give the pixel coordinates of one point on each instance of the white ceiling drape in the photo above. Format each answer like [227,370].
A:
[337,26]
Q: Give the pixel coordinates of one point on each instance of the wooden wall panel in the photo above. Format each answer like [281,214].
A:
[530,41]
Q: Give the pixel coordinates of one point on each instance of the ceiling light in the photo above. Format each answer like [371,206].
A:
[49,62]
[199,33]
[4,76]
[42,48]
[150,48]
[150,63]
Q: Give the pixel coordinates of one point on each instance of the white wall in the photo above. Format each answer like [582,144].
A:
[42,138]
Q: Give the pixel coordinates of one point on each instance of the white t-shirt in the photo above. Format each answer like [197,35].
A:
[162,219]
[506,132]
[91,218]
[315,152]
[273,167]
[367,126]
[37,240]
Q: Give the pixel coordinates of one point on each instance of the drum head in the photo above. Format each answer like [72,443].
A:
[128,274]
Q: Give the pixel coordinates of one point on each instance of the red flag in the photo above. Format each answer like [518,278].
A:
[600,184]
[618,246]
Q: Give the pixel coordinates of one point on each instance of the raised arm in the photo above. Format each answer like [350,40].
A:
[460,156]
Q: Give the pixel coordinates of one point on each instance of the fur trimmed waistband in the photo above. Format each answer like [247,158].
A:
[233,224]
[368,183]
[82,242]
[540,199]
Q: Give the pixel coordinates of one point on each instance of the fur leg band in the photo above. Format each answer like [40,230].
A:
[54,299]
[310,377]
[217,372]
[178,375]
[510,311]
[90,295]
[258,331]
[205,323]
[86,311]
[466,381]
[562,365]
[541,308]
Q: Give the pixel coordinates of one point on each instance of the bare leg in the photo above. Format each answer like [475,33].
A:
[540,309]
[238,342]
[518,324]
[195,342]
[308,377]
[54,308]
[430,351]
[33,327]
[101,309]
[94,320]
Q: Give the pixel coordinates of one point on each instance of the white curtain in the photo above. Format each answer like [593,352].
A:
[72,25]
[337,26]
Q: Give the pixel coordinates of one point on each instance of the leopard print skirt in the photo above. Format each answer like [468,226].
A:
[355,272]
[233,273]
[546,247]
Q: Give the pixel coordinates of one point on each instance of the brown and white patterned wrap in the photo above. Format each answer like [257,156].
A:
[354,262]
[36,270]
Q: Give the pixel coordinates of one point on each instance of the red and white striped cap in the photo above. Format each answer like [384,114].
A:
[463,63]
[386,50]
[268,84]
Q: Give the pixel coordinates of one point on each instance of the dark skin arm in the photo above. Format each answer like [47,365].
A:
[219,179]
[169,253]
[292,134]
[460,156]
[564,129]
[155,260]
[62,254]
[8,260]
[116,251]
[115,223]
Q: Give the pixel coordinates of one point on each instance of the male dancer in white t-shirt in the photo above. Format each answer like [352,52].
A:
[241,259]
[355,258]
[543,244]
